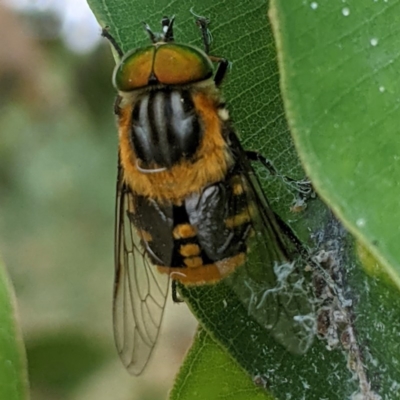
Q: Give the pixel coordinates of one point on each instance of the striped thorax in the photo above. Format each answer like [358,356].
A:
[165,127]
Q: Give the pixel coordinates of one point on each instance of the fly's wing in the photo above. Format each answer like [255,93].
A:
[272,284]
[140,291]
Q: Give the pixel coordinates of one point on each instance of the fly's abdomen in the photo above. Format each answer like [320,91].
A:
[165,128]
[201,240]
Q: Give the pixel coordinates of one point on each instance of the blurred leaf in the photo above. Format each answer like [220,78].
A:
[61,361]
[209,373]
[339,64]
[13,374]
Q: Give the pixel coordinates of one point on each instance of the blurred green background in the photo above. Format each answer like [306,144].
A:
[58,153]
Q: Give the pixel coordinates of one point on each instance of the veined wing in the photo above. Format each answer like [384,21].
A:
[140,291]
[273,284]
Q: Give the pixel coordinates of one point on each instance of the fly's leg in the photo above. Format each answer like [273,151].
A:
[202,23]
[223,63]
[175,297]
[303,187]
[256,156]
[117,108]
[105,33]
[221,71]
[293,238]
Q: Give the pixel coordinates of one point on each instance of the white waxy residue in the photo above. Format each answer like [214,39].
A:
[374,41]
[360,222]
[314,5]
[381,89]
[346,11]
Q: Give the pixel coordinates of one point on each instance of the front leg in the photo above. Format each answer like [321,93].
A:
[105,33]
[223,64]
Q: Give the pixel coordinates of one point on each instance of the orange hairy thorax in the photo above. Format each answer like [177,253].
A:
[210,163]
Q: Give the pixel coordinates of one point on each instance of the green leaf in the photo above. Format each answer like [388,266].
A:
[339,64]
[356,352]
[209,373]
[75,352]
[13,372]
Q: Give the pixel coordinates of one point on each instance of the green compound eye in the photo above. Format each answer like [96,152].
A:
[165,64]
[134,70]
[178,64]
